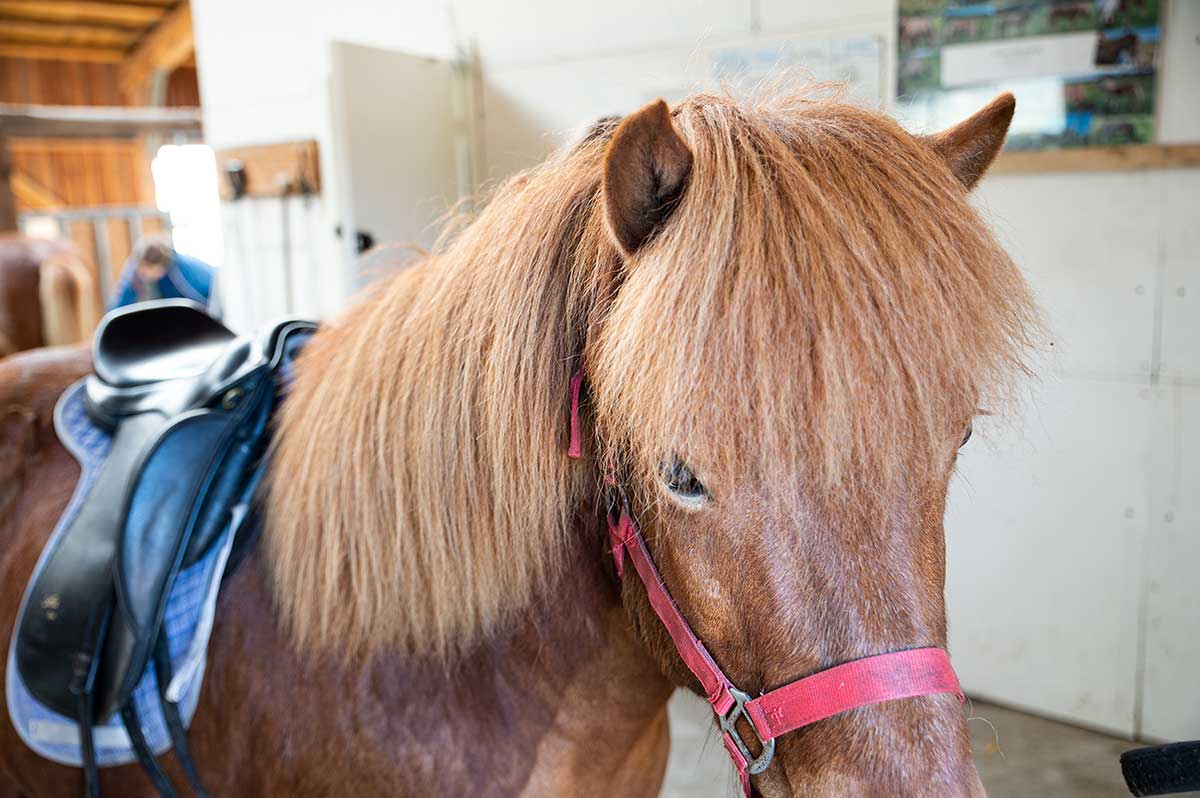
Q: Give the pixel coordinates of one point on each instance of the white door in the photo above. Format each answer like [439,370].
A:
[402,153]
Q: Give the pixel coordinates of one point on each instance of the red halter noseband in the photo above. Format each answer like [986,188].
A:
[883,677]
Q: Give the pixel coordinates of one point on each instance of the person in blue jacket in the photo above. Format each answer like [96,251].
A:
[156,271]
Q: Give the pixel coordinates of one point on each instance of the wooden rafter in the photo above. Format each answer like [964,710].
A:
[168,45]
[32,194]
[52,52]
[125,15]
[96,122]
[76,35]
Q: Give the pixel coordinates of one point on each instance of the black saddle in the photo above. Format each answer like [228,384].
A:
[188,404]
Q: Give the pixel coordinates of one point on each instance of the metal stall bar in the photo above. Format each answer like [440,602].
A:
[133,215]
[103,255]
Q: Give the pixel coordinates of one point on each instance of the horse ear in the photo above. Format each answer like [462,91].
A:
[970,146]
[645,172]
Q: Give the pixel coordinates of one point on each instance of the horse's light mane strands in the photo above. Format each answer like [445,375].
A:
[419,488]
[837,308]
[823,301]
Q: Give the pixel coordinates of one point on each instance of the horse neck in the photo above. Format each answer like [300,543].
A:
[590,693]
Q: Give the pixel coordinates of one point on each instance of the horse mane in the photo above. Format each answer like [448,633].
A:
[419,488]
[823,299]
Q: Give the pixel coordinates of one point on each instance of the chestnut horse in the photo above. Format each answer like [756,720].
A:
[48,296]
[786,312]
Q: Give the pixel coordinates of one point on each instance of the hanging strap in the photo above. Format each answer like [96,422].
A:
[163,676]
[145,756]
[87,746]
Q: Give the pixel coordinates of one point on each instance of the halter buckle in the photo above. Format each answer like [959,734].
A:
[728,723]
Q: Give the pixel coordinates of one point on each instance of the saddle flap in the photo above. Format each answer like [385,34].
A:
[181,500]
[68,606]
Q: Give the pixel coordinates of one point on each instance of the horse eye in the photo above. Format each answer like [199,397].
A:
[967,436]
[680,480]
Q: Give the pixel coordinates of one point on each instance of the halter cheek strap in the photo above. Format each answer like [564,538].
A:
[859,683]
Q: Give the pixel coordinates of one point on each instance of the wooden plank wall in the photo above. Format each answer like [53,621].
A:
[26,80]
[73,173]
[83,173]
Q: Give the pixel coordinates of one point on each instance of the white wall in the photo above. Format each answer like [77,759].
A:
[552,68]
[1052,520]
[264,71]
[1074,530]
[1073,538]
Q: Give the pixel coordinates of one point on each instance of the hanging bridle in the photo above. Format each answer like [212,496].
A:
[871,680]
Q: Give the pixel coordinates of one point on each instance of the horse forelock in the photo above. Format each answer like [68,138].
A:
[823,297]
[823,304]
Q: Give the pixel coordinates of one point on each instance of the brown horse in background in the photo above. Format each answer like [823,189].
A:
[792,303]
[48,296]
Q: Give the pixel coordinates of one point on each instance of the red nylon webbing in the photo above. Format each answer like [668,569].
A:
[575,447]
[691,650]
[884,677]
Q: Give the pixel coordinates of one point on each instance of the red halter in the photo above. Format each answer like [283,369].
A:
[883,677]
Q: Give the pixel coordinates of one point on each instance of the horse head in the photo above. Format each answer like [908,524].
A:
[805,317]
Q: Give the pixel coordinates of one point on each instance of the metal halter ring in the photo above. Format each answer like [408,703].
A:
[728,723]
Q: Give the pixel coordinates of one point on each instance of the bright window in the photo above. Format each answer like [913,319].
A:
[185,185]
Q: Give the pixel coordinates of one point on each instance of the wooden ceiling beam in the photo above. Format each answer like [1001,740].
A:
[57,52]
[58,121]
[124,15]
[164,48]
[73,35]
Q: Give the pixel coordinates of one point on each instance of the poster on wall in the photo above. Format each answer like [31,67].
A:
[853,62]
[763,64]
[1083,71]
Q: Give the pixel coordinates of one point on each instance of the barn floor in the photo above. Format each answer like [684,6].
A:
[1035,757]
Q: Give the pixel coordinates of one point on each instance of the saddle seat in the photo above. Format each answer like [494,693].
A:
[187,403]
[167,340]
